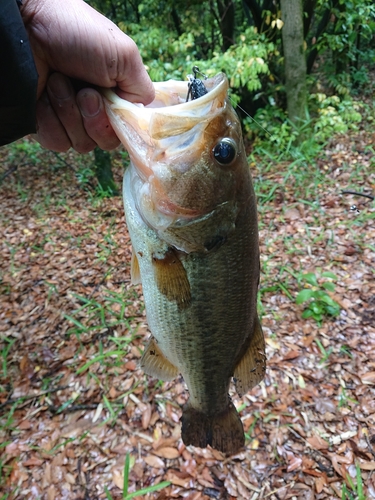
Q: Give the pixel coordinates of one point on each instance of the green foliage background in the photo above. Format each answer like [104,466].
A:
[243,39]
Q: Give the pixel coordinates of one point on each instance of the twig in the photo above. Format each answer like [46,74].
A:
[369,196]
[90,184]
[297,435]
[281,487]
[72,408]
[8,172]
[83,479]
[31,397]
[110,270]
[64,161]
[14,168]
[370,447]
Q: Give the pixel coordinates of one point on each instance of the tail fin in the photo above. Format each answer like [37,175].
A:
[223,431]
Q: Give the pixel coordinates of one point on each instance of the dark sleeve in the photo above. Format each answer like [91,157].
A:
[18,76]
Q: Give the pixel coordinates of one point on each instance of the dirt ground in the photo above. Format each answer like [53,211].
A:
[73,402]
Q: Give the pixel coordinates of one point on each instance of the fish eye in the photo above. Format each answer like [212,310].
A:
[225,151]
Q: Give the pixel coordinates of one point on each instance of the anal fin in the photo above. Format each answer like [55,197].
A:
[171,278]
[251,368]
[154,363]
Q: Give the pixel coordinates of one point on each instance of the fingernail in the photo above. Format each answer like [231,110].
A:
[89,104]
[59,87]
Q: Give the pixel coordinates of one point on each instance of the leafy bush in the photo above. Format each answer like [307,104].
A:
[346,45]
[329,115]
[317,303]
[166,56]
[334,115]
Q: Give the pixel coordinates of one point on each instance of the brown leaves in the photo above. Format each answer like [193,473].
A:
[309,424]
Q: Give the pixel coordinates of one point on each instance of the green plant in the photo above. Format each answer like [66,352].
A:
[317,302]
[334,115]
[26,151]
[344,399]
[328,115]
[8,343]
[144,491]
[356,488]
[5,471]
[85,175]
[323,351]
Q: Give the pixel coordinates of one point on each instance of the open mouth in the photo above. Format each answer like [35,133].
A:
[168,135]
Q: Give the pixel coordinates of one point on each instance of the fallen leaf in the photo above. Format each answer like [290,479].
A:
[293,461]
[25,425]
[367,465]
[146,416]
[318,443]
[325,405]
[118,478]
[292,214]
[291,355]
[167,452]
[154,461]
[130,365]
[33,461]
[368,378]
[319,484]
[179,478]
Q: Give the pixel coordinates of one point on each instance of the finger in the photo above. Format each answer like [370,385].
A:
[133,82]
[50,132]
[95,119]
[63,101]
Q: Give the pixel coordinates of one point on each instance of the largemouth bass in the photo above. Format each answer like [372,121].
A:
[191,213]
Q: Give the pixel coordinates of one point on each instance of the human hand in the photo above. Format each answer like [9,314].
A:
[75,41]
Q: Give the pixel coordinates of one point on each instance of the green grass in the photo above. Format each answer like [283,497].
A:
[7,346]
[104,319]
[355,490]
[93,316]
[325,353]
[129,462]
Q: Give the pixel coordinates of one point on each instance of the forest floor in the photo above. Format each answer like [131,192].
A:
[73,402]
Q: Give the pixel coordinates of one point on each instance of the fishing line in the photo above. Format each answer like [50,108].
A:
[196,89]
[247,114]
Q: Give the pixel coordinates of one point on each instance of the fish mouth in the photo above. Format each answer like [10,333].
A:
[165,138]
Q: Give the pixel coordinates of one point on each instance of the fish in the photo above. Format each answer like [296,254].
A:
[191,213]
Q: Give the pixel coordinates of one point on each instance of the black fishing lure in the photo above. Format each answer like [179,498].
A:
[196,87]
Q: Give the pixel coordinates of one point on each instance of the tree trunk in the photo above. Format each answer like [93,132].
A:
[295,59]
[226,14]
[103,171]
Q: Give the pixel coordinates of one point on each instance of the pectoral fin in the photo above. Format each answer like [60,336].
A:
[135,273]
[171,278]
[252,366]
[154,363]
